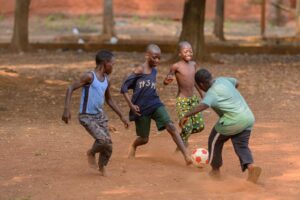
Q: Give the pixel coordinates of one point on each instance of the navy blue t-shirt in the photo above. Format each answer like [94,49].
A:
[144,93]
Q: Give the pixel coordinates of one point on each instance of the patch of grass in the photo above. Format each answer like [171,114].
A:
[135,18]
[55,17]
[83,19]
[1,18]
[22,198]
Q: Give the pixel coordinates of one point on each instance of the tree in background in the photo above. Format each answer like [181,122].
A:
[219,20]
[108,19]
[193,26]
[19,42]
[298,18]
[276,15]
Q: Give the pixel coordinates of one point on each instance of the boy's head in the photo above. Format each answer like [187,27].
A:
[105,59]
[185,51]
[203,79]
[153,54]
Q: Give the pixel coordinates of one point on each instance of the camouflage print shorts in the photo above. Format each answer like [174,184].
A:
[195,123]
[97,126]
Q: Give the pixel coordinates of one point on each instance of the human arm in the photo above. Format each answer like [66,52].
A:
[85,79]
[237,84]
[194,111]
[170,76]
[112,104]
[234,81]
[134,108]
[129,83]
[199,90]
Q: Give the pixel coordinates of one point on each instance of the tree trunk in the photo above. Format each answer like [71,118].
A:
[108,19]
[19,40]
[276,16]
[219,20]
[193,26]
[263,19]
[298,18]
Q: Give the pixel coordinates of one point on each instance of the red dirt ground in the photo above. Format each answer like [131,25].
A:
[42,158]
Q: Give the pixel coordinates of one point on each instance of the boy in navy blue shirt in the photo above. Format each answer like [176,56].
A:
[145,104]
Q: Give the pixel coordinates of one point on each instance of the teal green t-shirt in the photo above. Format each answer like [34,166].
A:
[235,115]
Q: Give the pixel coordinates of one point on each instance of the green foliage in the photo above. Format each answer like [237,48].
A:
[23,198]
[255,2]
[55,17]
[1,18]
[83,19]
[135,18]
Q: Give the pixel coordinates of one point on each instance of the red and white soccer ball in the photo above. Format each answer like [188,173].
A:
[200,157]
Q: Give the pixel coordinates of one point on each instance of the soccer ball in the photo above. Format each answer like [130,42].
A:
[200,157]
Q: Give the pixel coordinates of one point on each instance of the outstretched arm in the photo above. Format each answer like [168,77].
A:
[114,106]
[170,76]
[85,79]
[194,111]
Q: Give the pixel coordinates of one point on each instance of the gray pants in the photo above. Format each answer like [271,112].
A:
[240,143]
[97,126]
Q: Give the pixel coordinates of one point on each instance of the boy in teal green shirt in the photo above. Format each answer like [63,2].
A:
[235,121]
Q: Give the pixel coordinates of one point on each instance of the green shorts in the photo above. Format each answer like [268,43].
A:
[195,123]
[161,118]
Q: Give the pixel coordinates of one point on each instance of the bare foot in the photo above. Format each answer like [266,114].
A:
[253,173]
[91,159]
[215,174]
[103,171]
[131,153]
[188,160]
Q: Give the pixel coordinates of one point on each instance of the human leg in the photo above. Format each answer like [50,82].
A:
[241,146]
[97,127]
[215,146]
[142,126]
[163,121]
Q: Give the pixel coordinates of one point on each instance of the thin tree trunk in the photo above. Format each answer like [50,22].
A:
[108,19]
[19,40]
[276,17]
[193,26]
[219,20]
[263,19]
[298,18]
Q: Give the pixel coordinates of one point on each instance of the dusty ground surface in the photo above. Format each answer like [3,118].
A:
[42,158]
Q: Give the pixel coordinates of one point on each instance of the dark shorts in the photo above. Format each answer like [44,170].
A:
[240,143]
[143,124]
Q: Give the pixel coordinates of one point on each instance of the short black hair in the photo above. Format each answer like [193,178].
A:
[103,56]
[183,43]
[152,48]
[203,76]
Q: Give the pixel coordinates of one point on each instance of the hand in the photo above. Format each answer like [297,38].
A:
[66,116]
[125,121]
[136,110]
[183,121]
[168,79]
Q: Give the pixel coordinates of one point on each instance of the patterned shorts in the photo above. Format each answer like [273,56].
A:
[97,126]
[195,123]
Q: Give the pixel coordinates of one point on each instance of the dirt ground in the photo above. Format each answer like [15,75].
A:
[43,158]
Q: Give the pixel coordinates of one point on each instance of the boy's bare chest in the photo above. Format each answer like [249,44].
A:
[186,71]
